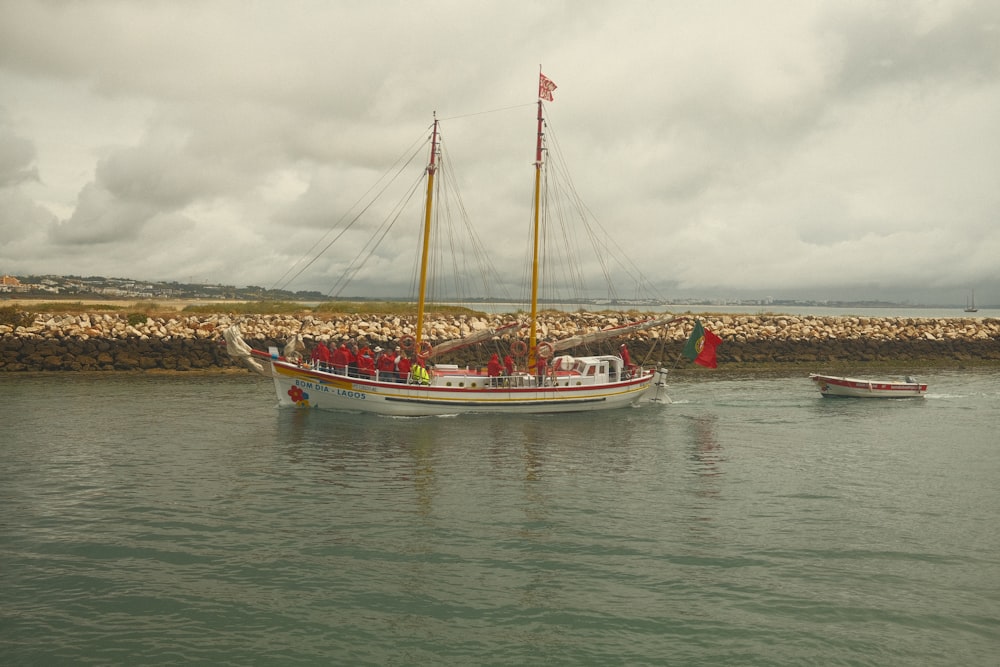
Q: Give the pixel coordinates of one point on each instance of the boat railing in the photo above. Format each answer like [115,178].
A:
[583,374]
[353,372]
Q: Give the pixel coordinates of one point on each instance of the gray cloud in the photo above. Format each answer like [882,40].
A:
[17,156]
[734,149]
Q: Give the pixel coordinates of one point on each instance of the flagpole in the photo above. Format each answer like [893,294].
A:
[677,361]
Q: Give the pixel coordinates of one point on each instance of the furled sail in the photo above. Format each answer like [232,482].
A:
[604,334]
[471,339]
[238,348]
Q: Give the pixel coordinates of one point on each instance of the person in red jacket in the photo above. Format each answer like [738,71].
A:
[508,364]
[340,359]
[352,359]
[366,362]
[493,369]
[630,368]
[402,368]
[320,356]
[385,364]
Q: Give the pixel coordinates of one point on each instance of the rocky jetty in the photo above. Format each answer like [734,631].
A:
[119,342]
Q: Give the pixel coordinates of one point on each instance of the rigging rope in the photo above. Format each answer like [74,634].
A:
[593,227]
[483,113]
[413,150]
[372,244]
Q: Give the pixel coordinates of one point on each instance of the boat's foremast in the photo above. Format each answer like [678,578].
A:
[422,294]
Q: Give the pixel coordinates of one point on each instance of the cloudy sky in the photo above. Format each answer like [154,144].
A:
[793,149]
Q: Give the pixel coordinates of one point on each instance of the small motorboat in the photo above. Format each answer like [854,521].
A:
[858,388]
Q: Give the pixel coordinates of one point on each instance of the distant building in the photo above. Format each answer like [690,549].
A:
[11,284]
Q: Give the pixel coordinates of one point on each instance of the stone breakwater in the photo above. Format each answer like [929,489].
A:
[118,342]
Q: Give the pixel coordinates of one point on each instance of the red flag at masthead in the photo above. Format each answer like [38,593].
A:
[545,87]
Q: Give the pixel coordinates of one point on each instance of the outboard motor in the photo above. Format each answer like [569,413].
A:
[660,386]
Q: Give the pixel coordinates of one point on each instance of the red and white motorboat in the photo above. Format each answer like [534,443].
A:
[859,388]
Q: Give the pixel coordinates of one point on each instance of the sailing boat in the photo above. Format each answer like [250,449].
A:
[553,383]
[971,306]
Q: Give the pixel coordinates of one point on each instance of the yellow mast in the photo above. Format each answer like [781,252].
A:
[431,169]
[533,336]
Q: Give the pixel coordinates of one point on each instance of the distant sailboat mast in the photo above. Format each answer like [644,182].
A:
[971,308]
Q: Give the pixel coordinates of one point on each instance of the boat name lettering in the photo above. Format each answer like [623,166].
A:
[351,394]
[310,386]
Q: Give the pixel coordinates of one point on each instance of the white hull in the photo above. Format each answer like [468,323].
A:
[857,388]
[304,387]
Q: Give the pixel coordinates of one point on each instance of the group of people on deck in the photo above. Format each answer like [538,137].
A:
[496,370]
[499,371]
[363,362]
[396,366]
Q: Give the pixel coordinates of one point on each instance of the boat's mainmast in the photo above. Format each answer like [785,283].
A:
[421,297]
[533,336]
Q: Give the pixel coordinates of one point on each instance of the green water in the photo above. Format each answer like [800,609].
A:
[176,520]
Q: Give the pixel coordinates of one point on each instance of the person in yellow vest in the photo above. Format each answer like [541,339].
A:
[419,374]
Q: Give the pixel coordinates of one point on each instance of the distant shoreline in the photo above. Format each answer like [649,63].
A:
[167,304]
[163,305]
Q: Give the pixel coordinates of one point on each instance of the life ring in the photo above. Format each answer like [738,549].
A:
[519,348]
[545,350]
[407,343]
[425,348]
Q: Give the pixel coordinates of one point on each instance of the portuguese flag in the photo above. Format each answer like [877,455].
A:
[700,347]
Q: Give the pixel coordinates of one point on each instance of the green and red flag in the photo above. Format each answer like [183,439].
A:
[700,347]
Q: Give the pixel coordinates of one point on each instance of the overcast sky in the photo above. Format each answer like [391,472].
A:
[789,149]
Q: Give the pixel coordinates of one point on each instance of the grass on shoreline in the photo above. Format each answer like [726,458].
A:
[293,308]
[329,308]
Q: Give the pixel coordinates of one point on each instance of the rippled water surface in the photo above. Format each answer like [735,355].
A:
[165,519]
